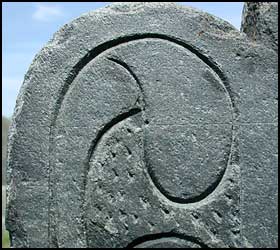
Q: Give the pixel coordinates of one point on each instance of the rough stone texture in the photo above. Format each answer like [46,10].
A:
[260,22]
[259,142]
[136,125]
[5,128]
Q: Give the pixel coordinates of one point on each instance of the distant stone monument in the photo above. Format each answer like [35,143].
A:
[5,127]
[260,22]
[146,125]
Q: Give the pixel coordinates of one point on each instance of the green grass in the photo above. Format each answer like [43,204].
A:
[6,240]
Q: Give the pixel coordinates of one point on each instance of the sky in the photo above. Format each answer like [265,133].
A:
[28,26]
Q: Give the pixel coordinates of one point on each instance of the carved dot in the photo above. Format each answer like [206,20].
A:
[99,208]
[131,175]
[166,211]
[218,217]
[228,196]
[145,203]
[113,154]
[122,212]
[128,150]
[122,193]
[115,172]
[235,212]
[213,231]
[147,122]
[218,214]
[135,218]
[129,130]
[238,56]
[151,225]
[235,231]
[195,215]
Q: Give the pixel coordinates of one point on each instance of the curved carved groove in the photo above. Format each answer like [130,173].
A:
[124,65]
[112,123]
[133,37]
[93,54]
[154,237]
[200,197]
[107,127]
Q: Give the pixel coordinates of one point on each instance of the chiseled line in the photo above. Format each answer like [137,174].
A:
[127,68]
[166,235]
[219,123]
[99,50]
[258,123]
[107,127]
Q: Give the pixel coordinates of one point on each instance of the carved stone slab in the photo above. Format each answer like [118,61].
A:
[127,133]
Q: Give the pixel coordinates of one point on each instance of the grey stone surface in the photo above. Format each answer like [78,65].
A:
[5,128]
[260,22]
[139,125]
[259,141]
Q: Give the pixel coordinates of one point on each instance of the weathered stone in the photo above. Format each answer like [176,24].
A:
[260,22]
[133,128]
[5,128]
[259,141]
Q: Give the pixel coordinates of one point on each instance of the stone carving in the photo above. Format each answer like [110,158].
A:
[135,132]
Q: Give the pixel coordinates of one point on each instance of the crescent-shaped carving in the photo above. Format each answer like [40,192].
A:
[113,43]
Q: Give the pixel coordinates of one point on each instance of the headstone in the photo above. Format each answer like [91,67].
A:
[260,22]
[136,126]
[259,140]
[5,127]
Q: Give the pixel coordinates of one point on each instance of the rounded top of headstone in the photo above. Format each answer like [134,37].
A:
[81,119]
[150,12]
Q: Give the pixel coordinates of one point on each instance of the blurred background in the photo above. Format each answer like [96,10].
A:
[28,26]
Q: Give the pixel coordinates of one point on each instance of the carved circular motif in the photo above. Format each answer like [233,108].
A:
[182,114]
